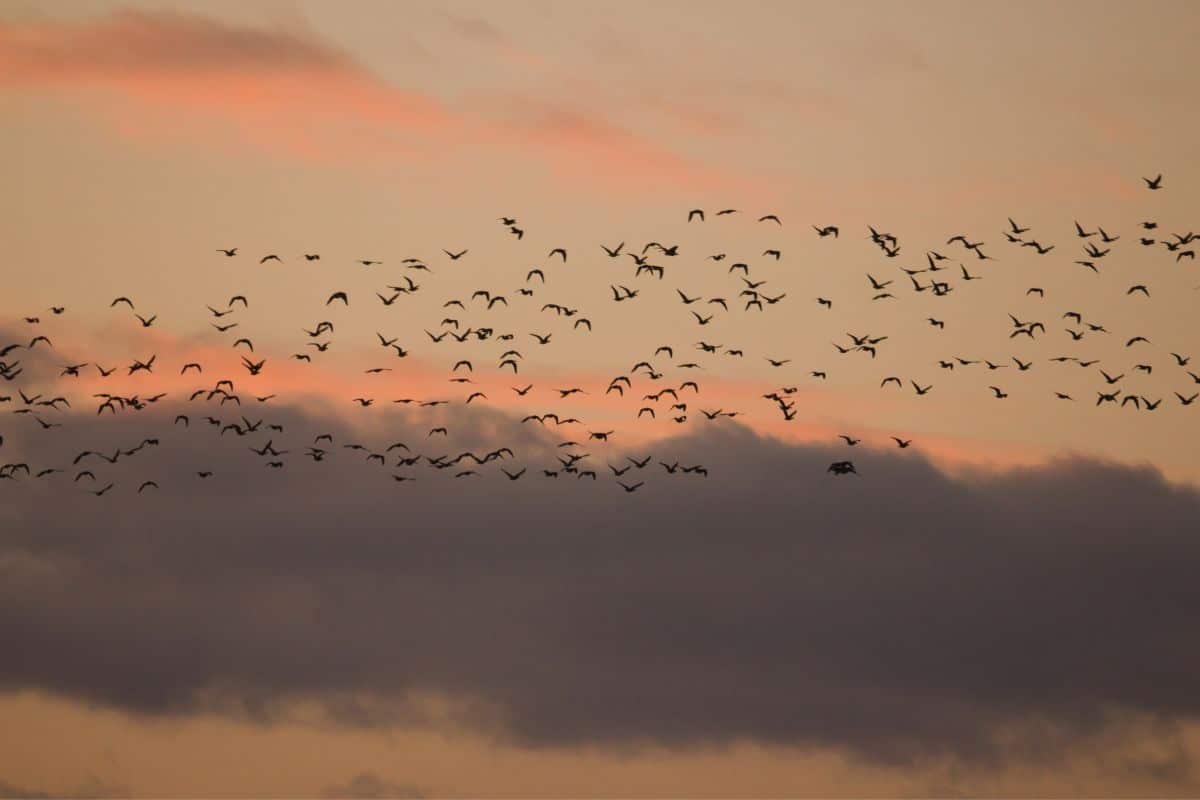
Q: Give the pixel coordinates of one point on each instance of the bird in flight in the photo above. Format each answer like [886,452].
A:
[492,321]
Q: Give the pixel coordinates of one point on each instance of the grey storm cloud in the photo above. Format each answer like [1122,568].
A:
[897,614]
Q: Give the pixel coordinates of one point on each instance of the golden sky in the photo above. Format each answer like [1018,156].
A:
[137,138]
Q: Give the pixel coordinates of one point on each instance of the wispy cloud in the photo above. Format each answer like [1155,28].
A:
[289,94]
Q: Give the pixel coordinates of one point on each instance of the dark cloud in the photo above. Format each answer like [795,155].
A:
[900,613]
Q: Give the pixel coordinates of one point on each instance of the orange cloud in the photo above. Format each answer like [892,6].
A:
[328,386]
[154,75]
[271,88]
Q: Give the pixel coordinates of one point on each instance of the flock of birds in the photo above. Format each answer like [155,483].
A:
[223,407]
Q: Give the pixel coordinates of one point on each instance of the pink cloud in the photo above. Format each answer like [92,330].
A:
[154,75]
[271,89]
[327,386]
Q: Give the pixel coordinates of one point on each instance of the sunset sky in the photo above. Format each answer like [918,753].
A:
[1003,608]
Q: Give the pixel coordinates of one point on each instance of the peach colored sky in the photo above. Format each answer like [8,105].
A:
[154,135]
[138,137]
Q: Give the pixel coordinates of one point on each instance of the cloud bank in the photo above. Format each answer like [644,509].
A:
[897,614]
